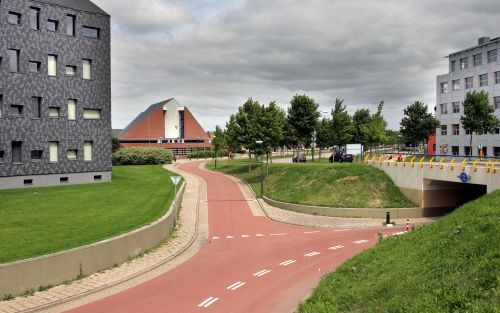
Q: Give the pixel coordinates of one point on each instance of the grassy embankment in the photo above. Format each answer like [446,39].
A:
[39,221]
[347,185]
[452,265]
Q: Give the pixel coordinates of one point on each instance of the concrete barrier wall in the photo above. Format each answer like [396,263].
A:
[353,212]
[53,269]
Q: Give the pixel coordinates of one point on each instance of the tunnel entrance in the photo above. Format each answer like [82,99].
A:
[441,197]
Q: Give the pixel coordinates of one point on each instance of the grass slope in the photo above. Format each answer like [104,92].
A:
[348,185]
[452,265]
[39,221]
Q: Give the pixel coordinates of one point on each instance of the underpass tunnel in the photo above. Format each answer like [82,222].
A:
[441,197]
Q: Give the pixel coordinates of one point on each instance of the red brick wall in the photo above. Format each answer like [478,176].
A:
[431,145]
[192,129]
[154,128]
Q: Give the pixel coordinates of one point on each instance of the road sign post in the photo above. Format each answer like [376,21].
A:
[175,180]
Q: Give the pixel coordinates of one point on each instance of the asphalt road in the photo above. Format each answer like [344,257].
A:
[250,264]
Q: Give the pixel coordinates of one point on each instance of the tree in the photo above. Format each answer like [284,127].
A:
[302,117]
[115,144]
[341,124]
[377,127]
[361,121]
[324,135]
[392,137]
[417,124]
[218,143]
[479,115]
[272,125]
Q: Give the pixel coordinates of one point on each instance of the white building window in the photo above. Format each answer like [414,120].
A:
[52,65]
[444,130]
[468,82]
[492,56]
[444,87]
[497,78]
[478,59]
[87,151]
[71,109]
[1,105]
[444,108]
[91,114]
[54,151]
[483,80]
[496,100]
[87,69]
[456,129]
[72,154]
[456,107]
[54,112]
[464,63]
[456,85]
[453,66]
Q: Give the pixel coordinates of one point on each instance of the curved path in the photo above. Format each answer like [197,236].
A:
[249,264]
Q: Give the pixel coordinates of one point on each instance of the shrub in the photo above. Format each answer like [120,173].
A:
[142,156]
[207,154]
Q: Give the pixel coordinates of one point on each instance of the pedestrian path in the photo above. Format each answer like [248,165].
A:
[190,234]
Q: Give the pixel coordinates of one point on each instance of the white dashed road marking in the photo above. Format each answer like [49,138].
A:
[229,237]
[259,235]
[288,262]
[360,241]
[245,236]
[214,238]
[208,302]
[280,234]
[262,273]
[236,285]
[311,232]
[336,247]
[312,254]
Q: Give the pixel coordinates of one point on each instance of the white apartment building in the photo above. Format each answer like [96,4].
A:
[475,68]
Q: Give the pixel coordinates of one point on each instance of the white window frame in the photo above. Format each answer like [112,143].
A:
[467,86]
[88,151]
[87,69]
[483,82]
[455,107]
[92,114]
[443,108]
[456,85]
[54,151]
[72,109]
[52,65]
[444,87]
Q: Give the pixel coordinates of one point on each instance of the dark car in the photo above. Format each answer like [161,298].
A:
[341,156]
[299,158]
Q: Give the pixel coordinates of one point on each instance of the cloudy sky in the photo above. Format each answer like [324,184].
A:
[211,55]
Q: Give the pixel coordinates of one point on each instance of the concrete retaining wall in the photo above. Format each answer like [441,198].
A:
[354,212]
[53,269]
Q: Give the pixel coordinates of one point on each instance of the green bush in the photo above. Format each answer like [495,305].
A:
[142,156]
[207,154]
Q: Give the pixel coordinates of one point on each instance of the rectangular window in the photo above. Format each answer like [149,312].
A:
[54,151]
[72,154]
[483,80]
[444,130]
[34,66]
[497,78]
[444,108]
[456,129]
[54,112]
[492,56]
[2,155]
[456,107]
[71,109]
[14,18]
[1,106]
[484,151]
[468,132]
[464,63]
[453,65]
[70,70]
[35,18]
[17,152]
[52,25]
[467,150]
[478,59]
[496,101]
[87,69]
[87,151]
[90,32]
[28,182]
[455,150]
[36,155]
[456,85]
[497,130]
[64,180]
[36,107]
[496,151]
[52,65]
[97,177]
[70,25]
[444,87]
[468,83]
[16,110]
[14,60]
[91,114]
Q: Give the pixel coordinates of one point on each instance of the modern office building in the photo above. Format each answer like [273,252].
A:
[167,125]
[475,68]
[55,93]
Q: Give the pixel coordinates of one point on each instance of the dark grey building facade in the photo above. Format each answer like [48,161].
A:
[55,93]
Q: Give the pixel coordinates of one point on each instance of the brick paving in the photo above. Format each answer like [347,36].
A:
[172,253]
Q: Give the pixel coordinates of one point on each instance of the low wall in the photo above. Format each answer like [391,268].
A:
[53,269]
[355,212]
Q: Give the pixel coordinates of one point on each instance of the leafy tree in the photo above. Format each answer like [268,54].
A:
[324,136]
[115,144]
[479,115]
[392,137]
[377,127]
[341,124]
[361,121]
[218,143]
[417,124]
[272,126]
[302,117]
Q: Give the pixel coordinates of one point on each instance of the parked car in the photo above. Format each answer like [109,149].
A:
[341,156]
[299,158]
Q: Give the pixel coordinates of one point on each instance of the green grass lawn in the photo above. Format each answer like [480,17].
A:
[39,221]
[452,265]
[348,185]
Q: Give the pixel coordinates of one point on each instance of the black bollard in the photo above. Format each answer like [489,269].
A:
[387,218]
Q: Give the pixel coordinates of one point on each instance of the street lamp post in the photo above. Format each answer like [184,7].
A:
[260,142]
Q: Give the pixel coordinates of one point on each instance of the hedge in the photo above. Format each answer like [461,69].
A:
[142,156]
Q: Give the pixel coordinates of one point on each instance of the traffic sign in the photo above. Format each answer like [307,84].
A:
[464,177]
[175,179]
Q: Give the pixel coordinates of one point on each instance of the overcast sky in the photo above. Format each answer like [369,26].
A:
[211,55]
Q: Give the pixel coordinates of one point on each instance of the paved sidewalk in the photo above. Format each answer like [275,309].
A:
[191,233]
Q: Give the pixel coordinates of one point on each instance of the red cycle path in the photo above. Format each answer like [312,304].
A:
[259,246]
